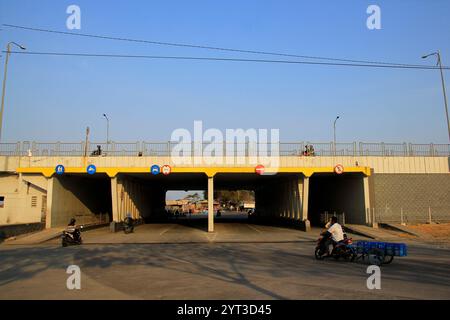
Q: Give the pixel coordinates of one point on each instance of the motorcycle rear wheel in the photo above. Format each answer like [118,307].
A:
[388,259]
[376,256]
[319,254]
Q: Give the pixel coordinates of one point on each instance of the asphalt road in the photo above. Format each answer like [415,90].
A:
[214,271]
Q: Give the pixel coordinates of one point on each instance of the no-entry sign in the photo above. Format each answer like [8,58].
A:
[339,169]
[166,169]
[260,169]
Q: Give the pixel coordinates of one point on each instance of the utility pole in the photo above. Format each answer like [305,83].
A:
[86,142]
[8,52]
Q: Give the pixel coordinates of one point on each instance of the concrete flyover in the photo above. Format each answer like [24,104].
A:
[297,191]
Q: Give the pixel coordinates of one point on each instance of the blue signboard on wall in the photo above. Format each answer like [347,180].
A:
[155,169]
[60,169]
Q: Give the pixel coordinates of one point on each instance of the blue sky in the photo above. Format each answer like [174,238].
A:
[55,98]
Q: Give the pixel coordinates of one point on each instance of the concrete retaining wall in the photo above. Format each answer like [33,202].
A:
[414,196]
[18,229]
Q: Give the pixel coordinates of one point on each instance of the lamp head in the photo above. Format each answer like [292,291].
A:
[17,45]
[427,55]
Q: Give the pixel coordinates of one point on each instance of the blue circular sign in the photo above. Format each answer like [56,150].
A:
[155,169]
[60,169]
[91,169]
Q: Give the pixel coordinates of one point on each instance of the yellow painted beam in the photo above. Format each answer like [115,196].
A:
[209,171]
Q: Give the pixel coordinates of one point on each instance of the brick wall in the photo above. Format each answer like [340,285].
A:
[416,195]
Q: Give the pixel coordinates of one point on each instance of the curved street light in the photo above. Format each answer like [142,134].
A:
[8,52]
[334,134]
[439,63]
[107,132]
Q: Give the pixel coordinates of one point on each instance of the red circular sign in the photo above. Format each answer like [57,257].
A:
[166,169]
[260,169]
[339,169]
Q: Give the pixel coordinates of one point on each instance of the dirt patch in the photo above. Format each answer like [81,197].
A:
[439,231]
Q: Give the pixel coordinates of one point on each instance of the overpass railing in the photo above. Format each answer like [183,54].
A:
[27,148]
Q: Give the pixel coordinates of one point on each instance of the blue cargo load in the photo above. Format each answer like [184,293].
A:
[390,249]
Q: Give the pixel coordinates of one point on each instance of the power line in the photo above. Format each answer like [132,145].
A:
[71,54]
[205,47]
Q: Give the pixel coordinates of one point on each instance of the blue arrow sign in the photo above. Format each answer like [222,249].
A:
[155,169]
[60,169]
[91,169]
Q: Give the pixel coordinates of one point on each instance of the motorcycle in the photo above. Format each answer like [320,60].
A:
[71,236]
[128,225]
[343,249]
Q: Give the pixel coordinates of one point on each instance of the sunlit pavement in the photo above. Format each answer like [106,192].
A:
[284,270]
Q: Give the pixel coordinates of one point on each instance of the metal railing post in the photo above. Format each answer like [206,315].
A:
[18,151]
[429,215]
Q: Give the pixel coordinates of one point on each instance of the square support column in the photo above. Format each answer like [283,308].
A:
[210,204]
[298,191]
[305,203]
[114,224]
[48,218]
[115,200]
[369,220]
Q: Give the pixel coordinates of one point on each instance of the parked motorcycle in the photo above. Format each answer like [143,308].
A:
[343,249]
[128,225]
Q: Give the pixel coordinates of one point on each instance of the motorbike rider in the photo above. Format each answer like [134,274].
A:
[72,229]
[334,233]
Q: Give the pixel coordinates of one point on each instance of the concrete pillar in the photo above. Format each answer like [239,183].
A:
[367,201]
[285,188]
[297,198]
[289,199]
[115,200]
[210,204]
[48,219]
[304,218]
[293,197]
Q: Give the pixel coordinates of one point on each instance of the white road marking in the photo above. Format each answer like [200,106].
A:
[254,228]
[165,230]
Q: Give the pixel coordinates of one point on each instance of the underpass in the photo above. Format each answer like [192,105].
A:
[369,185]
[285,195]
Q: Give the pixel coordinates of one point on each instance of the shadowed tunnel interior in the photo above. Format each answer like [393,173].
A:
[336,194]
[143,195]
[84,197]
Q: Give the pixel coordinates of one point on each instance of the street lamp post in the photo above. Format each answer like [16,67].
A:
[439,62]
[107,132]
[334,135]
[8,52]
